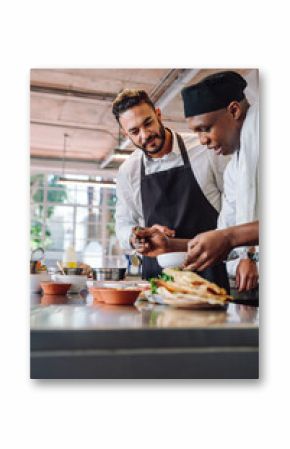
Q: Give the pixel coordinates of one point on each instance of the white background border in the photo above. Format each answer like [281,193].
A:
[139,414]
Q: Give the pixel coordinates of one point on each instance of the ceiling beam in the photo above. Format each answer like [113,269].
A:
[72,166]
[71,92]
[72,125]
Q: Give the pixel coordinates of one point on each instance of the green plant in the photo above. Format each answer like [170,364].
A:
[111,225]
[37,194]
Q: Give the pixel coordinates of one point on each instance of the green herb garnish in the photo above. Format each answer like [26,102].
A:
[166,277]
[153,285]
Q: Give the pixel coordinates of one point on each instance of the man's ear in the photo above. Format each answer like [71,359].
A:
[234,108]
[123,132]
[158,113]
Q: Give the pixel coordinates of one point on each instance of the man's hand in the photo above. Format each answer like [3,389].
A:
[246,275]
[206,249]
[138,242]
[165,230]
[135,241]
[153,241]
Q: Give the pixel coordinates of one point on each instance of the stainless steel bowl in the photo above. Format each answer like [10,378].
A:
[73,271]
[109,274]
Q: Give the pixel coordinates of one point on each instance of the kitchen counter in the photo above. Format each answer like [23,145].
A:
[73,338]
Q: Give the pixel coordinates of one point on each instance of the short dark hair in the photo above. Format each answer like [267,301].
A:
[129,98]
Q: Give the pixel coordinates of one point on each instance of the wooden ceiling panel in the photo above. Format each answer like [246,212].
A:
[80,144]
[100,80]
[79,102]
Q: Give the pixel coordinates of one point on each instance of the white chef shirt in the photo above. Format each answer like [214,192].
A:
[241,179]
[208,169]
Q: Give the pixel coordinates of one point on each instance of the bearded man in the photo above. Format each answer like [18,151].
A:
[170,181]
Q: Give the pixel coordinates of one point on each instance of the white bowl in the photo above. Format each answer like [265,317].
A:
[169,260]
[35,280]
[78,282]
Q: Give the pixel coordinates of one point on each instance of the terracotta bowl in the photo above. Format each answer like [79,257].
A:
[118,296]
[54,288]
[95,292]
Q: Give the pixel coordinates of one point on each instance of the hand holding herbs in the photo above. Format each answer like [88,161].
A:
[153,241]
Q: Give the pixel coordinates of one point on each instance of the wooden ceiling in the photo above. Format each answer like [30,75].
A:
[78,102]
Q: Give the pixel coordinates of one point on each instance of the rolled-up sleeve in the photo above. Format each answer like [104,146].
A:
[227,217]
[126,213]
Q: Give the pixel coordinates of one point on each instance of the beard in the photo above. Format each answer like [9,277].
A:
[160,135]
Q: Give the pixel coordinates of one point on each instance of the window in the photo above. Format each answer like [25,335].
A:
[81,215]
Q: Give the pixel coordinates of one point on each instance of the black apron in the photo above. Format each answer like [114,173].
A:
[174,198]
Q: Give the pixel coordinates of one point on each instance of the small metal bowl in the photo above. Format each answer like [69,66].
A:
[73,271]
[109,274]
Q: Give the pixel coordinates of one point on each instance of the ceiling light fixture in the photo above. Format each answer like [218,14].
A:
[121,154]
[117,154]
[65,136]
[81,182]
[87,182]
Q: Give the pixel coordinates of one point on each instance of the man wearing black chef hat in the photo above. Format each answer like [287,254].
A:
[170,180]
[217,110]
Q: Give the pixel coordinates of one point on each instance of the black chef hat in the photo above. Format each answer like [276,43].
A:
[213,92]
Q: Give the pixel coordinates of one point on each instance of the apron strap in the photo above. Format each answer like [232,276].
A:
[142,166]
[183,150]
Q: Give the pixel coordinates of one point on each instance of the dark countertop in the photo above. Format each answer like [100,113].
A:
[73,338]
